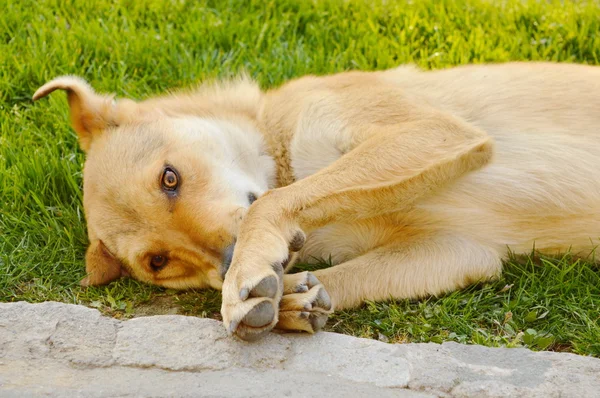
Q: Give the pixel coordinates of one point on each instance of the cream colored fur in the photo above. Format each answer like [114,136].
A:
[415,183]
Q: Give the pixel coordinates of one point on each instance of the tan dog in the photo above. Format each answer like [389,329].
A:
[415,183]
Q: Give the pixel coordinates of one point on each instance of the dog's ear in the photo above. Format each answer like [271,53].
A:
[91,113]
[101,266]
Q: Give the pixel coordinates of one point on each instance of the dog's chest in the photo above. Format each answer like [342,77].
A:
[312,150]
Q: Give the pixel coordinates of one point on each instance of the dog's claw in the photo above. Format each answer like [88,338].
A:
[318,321]
[297,241]
[278,267]
[244,293]
[301,289]
[311,280]
[232,328]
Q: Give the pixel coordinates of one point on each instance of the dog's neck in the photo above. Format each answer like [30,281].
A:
[274,124]
[278,147]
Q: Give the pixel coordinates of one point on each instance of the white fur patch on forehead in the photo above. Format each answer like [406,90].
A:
[211,133]
[239,151]
[240,142]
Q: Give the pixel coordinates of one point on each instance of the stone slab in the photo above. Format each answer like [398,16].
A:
[61,350]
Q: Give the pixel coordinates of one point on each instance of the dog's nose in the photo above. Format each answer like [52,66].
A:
[227,257]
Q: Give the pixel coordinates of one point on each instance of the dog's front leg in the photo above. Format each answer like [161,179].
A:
[390,170]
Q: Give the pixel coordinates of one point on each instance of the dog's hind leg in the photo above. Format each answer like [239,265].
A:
[429,265]
[425,265]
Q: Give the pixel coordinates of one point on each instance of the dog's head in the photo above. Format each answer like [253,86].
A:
[166,181]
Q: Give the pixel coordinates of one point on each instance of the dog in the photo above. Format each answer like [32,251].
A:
[413,183]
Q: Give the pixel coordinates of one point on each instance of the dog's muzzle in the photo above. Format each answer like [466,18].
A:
[226,262]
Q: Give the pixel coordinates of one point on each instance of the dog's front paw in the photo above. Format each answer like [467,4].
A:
[251,300]
[253,286]
[305,306]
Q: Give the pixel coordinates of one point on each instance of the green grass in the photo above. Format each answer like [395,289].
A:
[137,48]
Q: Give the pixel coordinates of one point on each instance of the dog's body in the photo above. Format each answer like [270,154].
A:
[414,183]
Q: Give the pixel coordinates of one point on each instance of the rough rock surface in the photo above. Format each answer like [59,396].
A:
[60,350]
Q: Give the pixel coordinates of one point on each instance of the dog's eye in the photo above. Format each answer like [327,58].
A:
[158,262]
[169,180]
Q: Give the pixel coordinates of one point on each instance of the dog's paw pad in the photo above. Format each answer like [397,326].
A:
[307,310]
[256,323]
[267,287]
[322,300]
[260,315]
